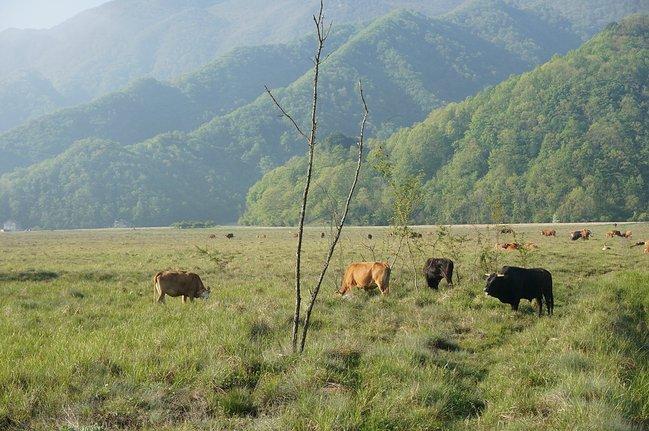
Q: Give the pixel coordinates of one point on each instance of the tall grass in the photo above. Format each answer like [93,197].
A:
[83,346]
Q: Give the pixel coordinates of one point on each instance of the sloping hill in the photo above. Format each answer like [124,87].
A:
[568,141]
[149,107]
[409,64]
[105,48]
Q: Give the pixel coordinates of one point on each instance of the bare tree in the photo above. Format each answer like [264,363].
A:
[341,224]
[322,34]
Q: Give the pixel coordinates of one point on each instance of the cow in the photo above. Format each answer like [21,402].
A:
[212,236]
[509,246]
[322,234]
[506,230]
[436,269]
[549,232]
[530,246]
[369,236]
[574,236]
[365,275]
[230,236]
[179,283]
[628,234]
[613,233]
[415,235]
[512,284]
[584,234]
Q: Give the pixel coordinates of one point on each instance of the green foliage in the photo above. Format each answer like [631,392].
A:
[567,141]
[189,224]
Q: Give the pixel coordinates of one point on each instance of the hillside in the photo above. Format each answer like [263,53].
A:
[568,141]
[149,107]
[405,78]
[105,48]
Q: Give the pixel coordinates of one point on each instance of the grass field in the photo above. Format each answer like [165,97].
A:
[84,347]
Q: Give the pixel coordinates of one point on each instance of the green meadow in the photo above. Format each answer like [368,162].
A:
[83,346]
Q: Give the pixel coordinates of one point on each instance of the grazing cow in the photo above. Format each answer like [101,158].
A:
[261,236]
[230,236]
[212,236]
[179,283]
[628,234]
[613,233]
[512,284]
[505,230]
[549,232]
[415,235]
[296,235]
[584,234]
[369,236]
[509,246]
[365,275]
[436,269]
[531,246]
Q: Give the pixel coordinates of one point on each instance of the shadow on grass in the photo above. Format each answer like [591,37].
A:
[29,275]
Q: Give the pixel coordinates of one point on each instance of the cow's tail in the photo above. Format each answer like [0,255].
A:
[156,284]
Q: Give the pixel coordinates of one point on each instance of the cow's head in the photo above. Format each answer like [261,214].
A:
[202,291]
[495,284]
[205,294]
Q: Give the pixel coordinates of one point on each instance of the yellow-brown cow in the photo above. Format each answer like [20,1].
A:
[179,283]
[365,275]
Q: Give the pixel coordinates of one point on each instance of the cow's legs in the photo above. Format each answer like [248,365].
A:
[539,301]
[384,290]
[160,297]
[515,305]
[184,299]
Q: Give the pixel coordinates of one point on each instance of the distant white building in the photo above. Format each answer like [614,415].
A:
[10,226]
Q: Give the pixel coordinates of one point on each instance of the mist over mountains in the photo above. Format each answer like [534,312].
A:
[193,131]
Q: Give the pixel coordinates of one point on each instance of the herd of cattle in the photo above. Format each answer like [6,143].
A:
[510,285]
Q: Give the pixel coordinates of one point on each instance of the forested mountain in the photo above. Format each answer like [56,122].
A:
[409,64]
[105,48]
[25,95]
[568,141]
[149,107]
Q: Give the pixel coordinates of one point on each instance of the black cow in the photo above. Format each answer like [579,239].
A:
[513,284]
[575,235]
[436,269]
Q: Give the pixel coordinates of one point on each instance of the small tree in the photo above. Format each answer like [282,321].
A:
[322,33]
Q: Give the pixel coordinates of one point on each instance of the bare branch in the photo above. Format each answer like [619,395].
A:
[286,114]
[332,247]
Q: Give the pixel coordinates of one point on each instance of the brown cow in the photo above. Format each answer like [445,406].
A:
[509,246]
[586,234]
[179,283]
[230,236]
[365,275]
[628,234]
[613,233]
[549,232]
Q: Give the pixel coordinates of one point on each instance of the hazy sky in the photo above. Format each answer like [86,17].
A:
[40,13]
